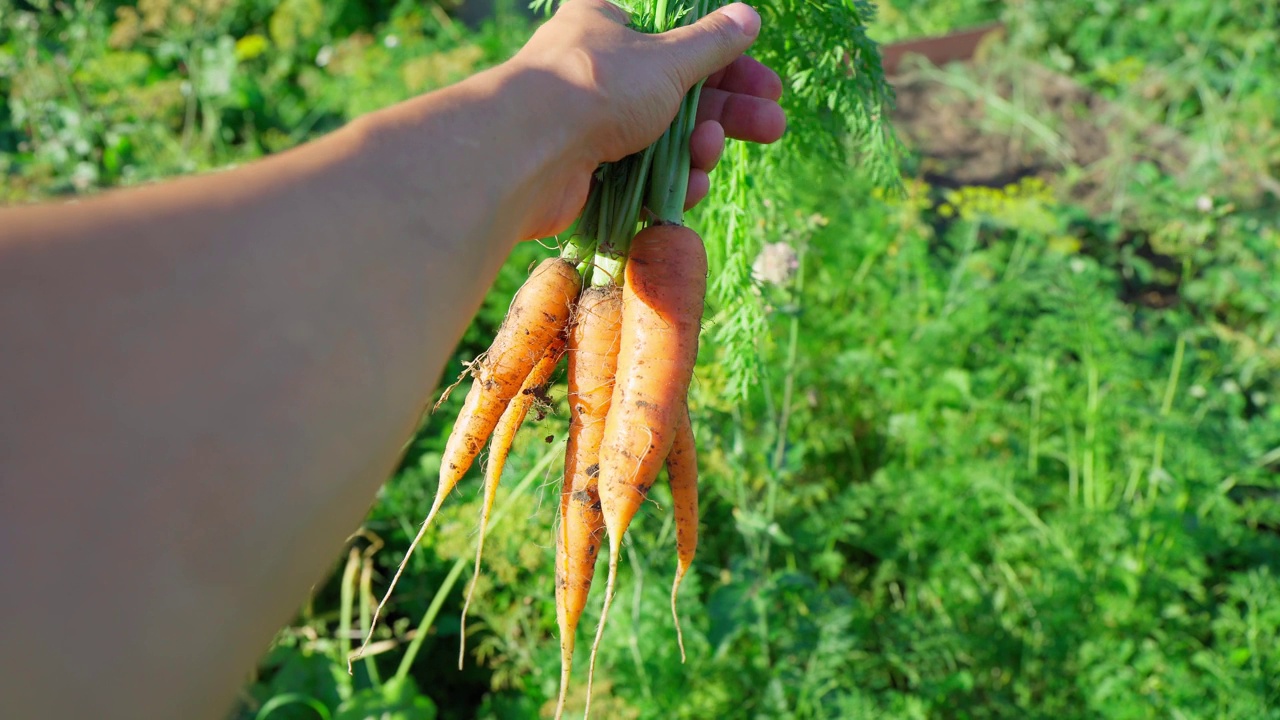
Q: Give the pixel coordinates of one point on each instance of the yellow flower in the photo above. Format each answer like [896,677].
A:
[251,46]
[1064,244]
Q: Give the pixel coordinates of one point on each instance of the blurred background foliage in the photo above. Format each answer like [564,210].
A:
[1011,454]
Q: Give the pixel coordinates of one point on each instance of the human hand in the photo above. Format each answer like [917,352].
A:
[629,86]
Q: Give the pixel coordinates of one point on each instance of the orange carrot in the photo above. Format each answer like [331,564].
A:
[499,448]
[666,280]
[593,349]
[538,313]
[682,473]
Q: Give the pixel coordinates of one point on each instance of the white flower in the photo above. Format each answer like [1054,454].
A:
[85,175]
[324,56]
[391,41]
[1204,203]
[776,264]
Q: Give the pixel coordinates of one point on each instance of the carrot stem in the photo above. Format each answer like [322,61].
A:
[623,191]
[669,175]
[582,240]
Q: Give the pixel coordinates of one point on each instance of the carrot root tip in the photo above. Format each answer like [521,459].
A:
[675,614]
[373,623]
[566,669]
[614,548]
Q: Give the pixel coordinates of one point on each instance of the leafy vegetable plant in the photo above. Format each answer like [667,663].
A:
[657,282]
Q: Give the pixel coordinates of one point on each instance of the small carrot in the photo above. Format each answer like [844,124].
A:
[538,313]
[666,279]
[593,349]
[682,474]
[499,448]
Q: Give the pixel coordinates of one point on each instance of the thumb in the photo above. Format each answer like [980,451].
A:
[711,43]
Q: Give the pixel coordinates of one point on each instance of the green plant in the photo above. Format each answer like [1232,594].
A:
[1004,457]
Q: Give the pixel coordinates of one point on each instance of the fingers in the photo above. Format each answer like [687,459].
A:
[699,186]
[743,99]
[705,145]
[748,76]
[744,117]
[711,43]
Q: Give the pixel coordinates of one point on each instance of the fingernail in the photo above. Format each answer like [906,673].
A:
[746,18]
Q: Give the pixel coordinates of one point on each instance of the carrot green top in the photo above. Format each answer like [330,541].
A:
[656,178]
[669,174]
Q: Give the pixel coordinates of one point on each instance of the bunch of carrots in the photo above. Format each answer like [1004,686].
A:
[625,309]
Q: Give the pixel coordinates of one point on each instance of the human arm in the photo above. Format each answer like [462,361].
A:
[205,381]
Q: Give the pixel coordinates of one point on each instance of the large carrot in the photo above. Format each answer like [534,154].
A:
[666,280]
[593,350]
[499,448]
[682,474]
[538,313]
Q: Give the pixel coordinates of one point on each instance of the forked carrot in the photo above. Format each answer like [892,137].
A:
[666,279]
[538,313]
[682,474]
[499,448]
[593,350]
